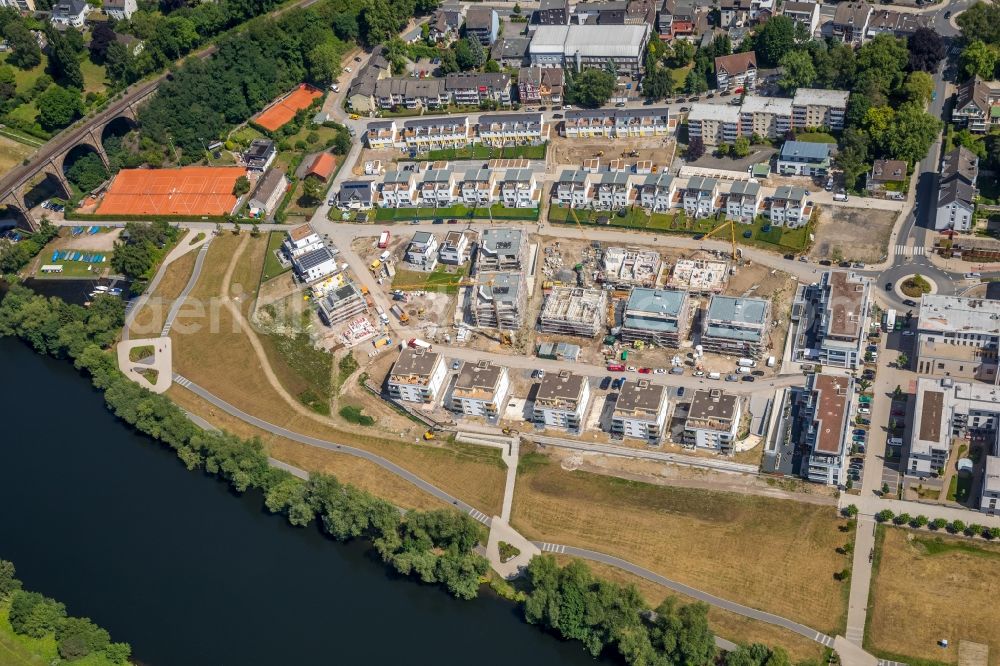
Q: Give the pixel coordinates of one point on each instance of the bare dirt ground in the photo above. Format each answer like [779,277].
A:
[660,150]
[852,234]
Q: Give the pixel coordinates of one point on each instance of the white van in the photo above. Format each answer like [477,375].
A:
[840,196]
[715,375]
[743,370]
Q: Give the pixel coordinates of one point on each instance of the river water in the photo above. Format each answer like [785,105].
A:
[110,523]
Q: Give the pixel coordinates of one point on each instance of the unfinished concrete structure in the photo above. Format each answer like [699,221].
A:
[631,267]
[502,249]
[656,316]
[736,325]
[498,301]
[699,276]
[573,311]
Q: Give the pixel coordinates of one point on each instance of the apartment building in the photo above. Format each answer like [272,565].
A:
[713,420]
[825,409]
[356,195]
[422,251]
[552,12]
[701,196]
[574,188]
[574,311]
[502,249]
[301,240]
[340,304]
[897,24]
[817,107]
[479,188]
[886,174]
[410,93]
[789,207]
[743,201]
[714,123]
[804,13]
[833,318]
[658,192]
[769,117]
[699,276]
[977,105]
[423,134]
[475,88]
[850,21]
[382,134]
[513,129]
[498,301]
[417,375]
[541,85]
[736,326]
[481,389]
[438,189]
[581,47]
[804,158]
[626,267]
[561,400]
[640,411]
[958,337]
[736,72]
[957,191]
[454,249]
[399,190]
[519,189]
[482,23]
[656,316]
[617,123]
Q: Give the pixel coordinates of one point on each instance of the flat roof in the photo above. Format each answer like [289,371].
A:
[757,104]
[846,303]
[805,149]
[738,310]
[482,375]
[415,362]
[640,395]
[930,416]
[662,302]
[726,113]
[713,405]
[590,40]
[562,385]
[958,314]
[831,411]
[821,97]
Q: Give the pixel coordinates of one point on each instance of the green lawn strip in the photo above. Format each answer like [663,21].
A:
[441,279]
[142,351]
[273,267]
[455,212]
[482,152]
[940,546]
[93,76]
[74,269]
[816,137]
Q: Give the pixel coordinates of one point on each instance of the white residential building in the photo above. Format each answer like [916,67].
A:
[736,326]
[743,201]
[714,123]
[417,375]
[438,189]
[833,318]
[701,197]
[804,158]
[519,189]
[455,248]
[825,409]
[641,411]
[561,400]
[70,13]
[618,123]
[422,134]
[382,135]
[301,240]
[513,129]
[613,190]
[958,337]
[658,192]
[957,190]
[713,420]
[421,253]
[804,13]
[818,107]
[479,188]
[119,9]
[788,207]
[481,389]
[736,72]
[399,190]
[575,188]
[502,249]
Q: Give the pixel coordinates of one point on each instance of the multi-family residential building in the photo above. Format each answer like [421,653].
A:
[20,5]
[713,420]
[382,134]
[957,190]
[479,188]
[656,316]
[743,200]
[410,93]
[701,196]
[832,319]
[552,12]
[606,12]
[641,411]
[958,337]
[627,267]
[850,21]
[574,311]
[789,207]
[676,18]
[768,117]
[612,190]
[444,24]
[339,304]
[513,129]
[519,189]
[455,248]
[70,13]
[737,71]
[481,389]
[502,249]
[734,13]
[421,253]
[498,301]
[897,24]
[315,264]
[818,107]
[482,23]
[119,10]
[361,92]
[475,88]
[581,47]
[714,123]
[438,189]
[825,408]
[699,276]
[541,85]
[804,158]
[617,123]
[575,188]
[399,190]
[561,400]
[511,52]
[804,13]
[421,134]
[356,195]
[300,240]
[886,174]
[736,326]
[977,105]
[658,192]
[417,375]
[259,155]
[947,410]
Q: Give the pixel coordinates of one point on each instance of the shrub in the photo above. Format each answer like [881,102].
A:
[354,415]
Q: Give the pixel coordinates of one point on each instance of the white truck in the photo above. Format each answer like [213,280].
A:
[381,314]
[746,363]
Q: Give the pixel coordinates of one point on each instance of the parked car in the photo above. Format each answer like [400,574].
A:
[864,410]
[757,373]
[699,373]
[859,431]
[790,257]
[910,303]
[732,378]
[907,333]
[456,364]
[631,368]
[645,371]
[749,378]
[680,391]
[557,116]
[660,371]
[605,383]
[677,371]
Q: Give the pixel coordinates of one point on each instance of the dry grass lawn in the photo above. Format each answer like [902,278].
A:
[149,320]
[930,587]
[211,351]
[728,625]
[12,153]
[776,555]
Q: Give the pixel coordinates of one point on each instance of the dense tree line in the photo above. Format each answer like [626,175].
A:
[36,616]
[980,26]
[15,256]
[140,246]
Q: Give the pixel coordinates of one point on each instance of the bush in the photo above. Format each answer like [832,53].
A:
[354,415]
[884,515]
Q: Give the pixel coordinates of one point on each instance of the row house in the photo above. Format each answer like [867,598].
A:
[743,201]
[399,190]
[897,24]
[850,21]
[519,189]
[513,129]
[977,105]
[573,188]
[700,197]
[382,134]
[474,88]
[613,190]
[818,107]
[714,123]
[422,134]
[438,188]
[788,207]
[737,71]
[658,192]
[617,123]
[541,85]
[676,18]
[410,93]
[479,187]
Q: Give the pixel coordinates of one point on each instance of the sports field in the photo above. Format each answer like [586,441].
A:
[280,112]
[183,191]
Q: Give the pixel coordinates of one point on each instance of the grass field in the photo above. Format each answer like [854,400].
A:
[150,318]
[94,76]
[273,267]
[776,555]
[926,588]
[18,650]
[816,137]
[460,212]
[441,279]
[12,153]
[728,625]
[219,357]
[74,269]
[481,152]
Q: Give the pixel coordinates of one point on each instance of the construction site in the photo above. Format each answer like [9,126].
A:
[574,311]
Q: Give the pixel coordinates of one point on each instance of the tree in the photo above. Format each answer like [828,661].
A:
[241,186]
[87,172]
[469,54]
[102,36]
[775,39]
[324,60]
[741,147]
[117,60]
[902,519]
[957,526]
[902,360]
[993,533]
[979,59]
[312,189]
[64,64]
[683,54]
[884,515]
[927,50]
[591,88]
[78,636]
[920,521]
[9,583]
[939,523]
[695,149]
[981,22]
[491,66]
[695,82]
[975,529]
[797,71]
[658,84]
[881,65]
[8,83]
[25,52]
[58,107]
[33,615]
[449,62]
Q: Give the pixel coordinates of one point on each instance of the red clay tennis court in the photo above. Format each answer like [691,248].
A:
[191,190]
[275,116]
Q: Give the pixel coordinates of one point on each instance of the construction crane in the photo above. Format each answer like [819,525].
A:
[732,236]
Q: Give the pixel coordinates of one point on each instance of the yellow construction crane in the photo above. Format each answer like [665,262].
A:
[732,236]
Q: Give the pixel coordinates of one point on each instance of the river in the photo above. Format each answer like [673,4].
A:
[110,523]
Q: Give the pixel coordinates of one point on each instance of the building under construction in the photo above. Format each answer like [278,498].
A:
[498,301]
[737,326]
[700,276]
[574,311]
[631,267]
[656,316]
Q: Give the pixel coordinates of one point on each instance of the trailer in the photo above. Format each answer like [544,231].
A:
[383,239]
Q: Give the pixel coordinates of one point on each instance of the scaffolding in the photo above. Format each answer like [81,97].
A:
[574,311]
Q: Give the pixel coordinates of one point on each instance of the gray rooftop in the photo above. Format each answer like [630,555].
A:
[418,362]
[805,150]
[640,395]
[738,310]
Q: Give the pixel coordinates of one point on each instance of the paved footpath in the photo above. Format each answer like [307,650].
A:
[861,577]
